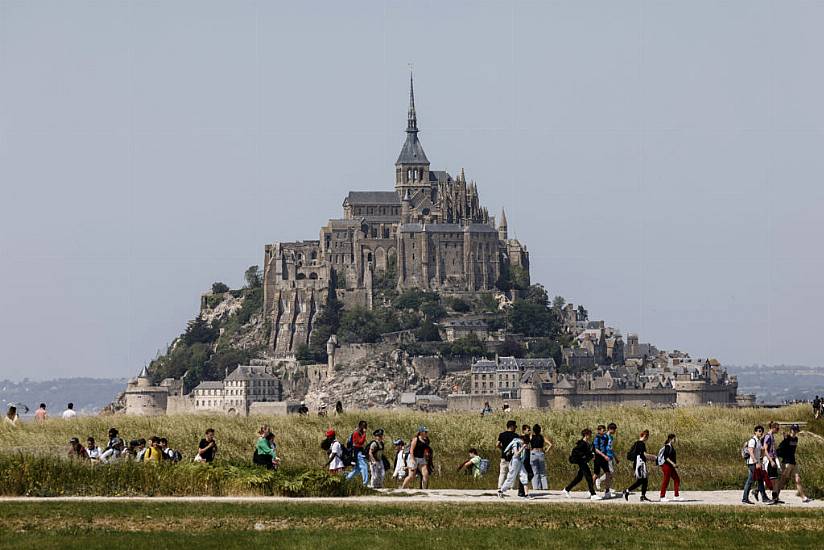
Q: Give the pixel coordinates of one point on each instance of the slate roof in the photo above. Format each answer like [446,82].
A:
[209,385]
[412,150]
[373,197]
[250,373]
[439,175]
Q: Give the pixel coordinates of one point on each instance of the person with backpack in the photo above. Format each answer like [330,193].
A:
[752,454]
[786,452]
[401,458]
[638,456]
[377,462]
[581,454]
[608,451]
[473,465]
[334,451]
[538,445]
[355,453]
[667,460]
[515,452]
[168,452]
[771,467]
[504,439]
[265,453]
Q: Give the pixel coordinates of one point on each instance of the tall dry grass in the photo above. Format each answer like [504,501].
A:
[709,438]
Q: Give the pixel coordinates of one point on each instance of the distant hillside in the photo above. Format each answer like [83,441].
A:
[774,384]
[89,395]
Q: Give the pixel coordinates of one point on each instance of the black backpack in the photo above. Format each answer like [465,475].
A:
[348,455]
[633,452]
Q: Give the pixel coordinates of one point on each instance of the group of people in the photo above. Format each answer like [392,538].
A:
[368,456]
[155,450]
[771,466]
[12,417]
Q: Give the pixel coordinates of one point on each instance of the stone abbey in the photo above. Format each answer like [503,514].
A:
[430,233]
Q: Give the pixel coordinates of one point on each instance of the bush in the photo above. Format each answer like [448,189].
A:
[219,288]
[359,325]
[458,305]
[199,331]
[469,346]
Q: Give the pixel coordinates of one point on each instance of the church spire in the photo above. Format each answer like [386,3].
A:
[412,118]
[503,232]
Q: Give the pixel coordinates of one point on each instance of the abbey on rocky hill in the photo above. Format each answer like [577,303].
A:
[430,233]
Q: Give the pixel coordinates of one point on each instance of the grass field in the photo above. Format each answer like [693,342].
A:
[298,525]
[709,440]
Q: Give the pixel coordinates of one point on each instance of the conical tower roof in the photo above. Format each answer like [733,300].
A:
[412,150]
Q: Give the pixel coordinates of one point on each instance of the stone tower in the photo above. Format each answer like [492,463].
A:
[502,229]
[412,166]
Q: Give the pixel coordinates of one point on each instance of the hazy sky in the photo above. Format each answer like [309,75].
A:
[663,161]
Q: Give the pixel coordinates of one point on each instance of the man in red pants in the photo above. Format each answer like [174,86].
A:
[668,469]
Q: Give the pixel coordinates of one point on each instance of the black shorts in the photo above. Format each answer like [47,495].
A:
[600,463]
[772,472]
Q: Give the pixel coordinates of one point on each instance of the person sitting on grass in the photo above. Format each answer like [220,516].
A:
[266,452]
[207,448]
[168,452]
[76,450]
[473,465]
[138,450]
[113,448]
[92,450]
[153,454]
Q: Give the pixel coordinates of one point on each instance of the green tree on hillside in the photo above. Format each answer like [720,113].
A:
[199,331]
[219,288]
[531,319]
[253,277]
[558,302]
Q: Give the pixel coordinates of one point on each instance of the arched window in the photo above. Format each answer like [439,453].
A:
[313,275]
[300,276]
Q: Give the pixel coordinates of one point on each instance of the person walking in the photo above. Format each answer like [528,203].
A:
[334,451]
[770,469]
[526,436]
[789,469]
[419,455]
[669,470]
[581,454]
[600,464]
[504,439]
[753,454]
[516,451]
[40,415]
[638,456]
[374,454]
[69,413]
[612,460]
[357,442]
[538,445]
[817,407]
[401,454]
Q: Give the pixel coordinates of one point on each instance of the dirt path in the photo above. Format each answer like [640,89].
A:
[691,498]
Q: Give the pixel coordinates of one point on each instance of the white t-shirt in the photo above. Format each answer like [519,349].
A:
[94,453]
[68,414]
[755,453]
[334,453]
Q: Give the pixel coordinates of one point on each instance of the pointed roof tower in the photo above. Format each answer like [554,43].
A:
[412,150]
[502,223]
[144,373]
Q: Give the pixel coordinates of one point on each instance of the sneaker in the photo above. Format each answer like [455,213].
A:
[778,501]
[626,495]
[500,494]
[755,495]
[595,497]
[663,499]
[747,502]
[677,499]
[805,500]
[530,496]
[597,483]
[613,494]
[566,493]
[770,502]
[645,499]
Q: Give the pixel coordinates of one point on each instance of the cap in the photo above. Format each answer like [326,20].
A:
[795,428]
[330,433]
[423,429]
[398,442]
[378,432]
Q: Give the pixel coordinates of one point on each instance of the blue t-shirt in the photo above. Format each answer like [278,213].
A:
[608,449]
[600,443]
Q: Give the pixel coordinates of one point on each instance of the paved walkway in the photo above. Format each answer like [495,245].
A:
[691,498]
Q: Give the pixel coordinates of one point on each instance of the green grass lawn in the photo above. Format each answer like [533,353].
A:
[416,526]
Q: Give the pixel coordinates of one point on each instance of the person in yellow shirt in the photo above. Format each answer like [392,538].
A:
[153,453]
